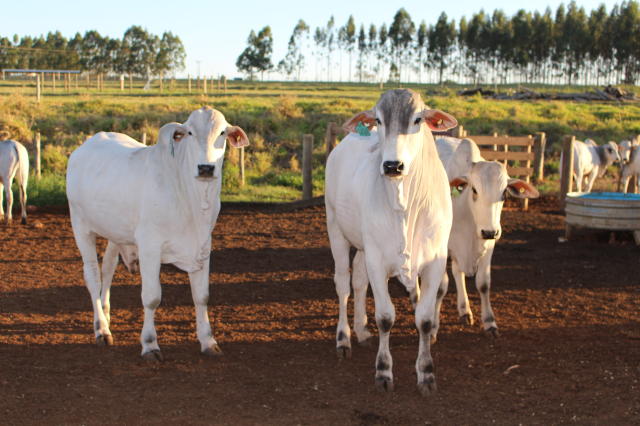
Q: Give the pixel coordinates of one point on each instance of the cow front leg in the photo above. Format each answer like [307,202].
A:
[360,282]
[591,179]
[199,281]
[431,281]
[151,297]
[385,317]
[483,285]
[464,310]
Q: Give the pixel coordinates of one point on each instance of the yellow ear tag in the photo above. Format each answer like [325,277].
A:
[521,190]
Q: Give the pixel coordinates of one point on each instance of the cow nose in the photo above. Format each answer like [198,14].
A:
[392,168]
[488,235]
[205,170]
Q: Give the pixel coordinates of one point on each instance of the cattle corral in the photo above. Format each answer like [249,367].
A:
[569,349]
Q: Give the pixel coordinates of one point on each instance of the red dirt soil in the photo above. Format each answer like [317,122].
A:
[569,351]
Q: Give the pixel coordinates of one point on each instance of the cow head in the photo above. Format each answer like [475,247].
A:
[484,190]
[203,142]
[402,120]
[624,151]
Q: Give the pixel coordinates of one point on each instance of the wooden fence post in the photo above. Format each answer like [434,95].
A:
[225,84]
[189,83]
[38,87]
[566,168]
[122,82]
[539,145]
[242,166]
[37,146]
[307,151]
[459,132]
[144,138]
[330,139]
[204,85]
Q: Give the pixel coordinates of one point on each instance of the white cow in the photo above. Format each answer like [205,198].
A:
[590,161]
[482,186]
[14,161]
[387,195]
[158,204]
[631,168]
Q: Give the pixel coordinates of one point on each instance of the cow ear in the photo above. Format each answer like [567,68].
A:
[459,183]
[439,121]
[237,137]
[521,189]
[367,118]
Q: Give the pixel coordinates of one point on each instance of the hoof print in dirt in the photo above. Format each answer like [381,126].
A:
[213,351]
[106,340]
[384,384]
[153,356]
[343,352]
[466,319]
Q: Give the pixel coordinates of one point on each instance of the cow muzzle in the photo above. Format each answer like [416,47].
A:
[205,171]
[489,234]
[392,168]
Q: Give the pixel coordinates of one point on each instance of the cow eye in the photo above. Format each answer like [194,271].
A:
[378,121]
[417,120]
[190,133]
[222,133]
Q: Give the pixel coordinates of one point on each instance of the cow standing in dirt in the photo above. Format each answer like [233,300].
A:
[161,201]
[14,162]
[483,187]
[387,195]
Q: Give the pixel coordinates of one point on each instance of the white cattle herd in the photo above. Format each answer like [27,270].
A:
[404,200]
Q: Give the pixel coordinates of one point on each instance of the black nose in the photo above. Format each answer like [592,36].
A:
[489,235]
[392,168]
[205,170]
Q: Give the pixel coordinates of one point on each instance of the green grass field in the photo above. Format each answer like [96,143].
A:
[275,115]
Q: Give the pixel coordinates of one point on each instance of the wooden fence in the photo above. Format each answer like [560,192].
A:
[522,155]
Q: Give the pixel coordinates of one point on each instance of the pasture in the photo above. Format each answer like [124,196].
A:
[568,314]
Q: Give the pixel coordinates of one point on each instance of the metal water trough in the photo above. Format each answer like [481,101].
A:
[613,211]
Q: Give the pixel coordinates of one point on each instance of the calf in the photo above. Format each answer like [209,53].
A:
[631,168]
[167,216]
[591,161]
[14,161]
[483,187]
[387,196]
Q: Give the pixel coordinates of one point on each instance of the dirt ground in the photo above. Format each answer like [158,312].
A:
[569,351]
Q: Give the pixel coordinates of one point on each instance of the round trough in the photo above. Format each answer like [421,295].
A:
[613,211]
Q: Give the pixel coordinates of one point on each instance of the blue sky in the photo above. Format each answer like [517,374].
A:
[215,32]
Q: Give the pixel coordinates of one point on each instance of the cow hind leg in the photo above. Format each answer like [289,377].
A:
[1,200]
[109,264]
[464,310]
[23,203]
[199,281]
[86,241]
[360,282]
[9,194]
[442,291]
[340,251]
[151,297]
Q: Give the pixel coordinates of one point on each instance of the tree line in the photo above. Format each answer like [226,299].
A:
[568,46]
[137,53]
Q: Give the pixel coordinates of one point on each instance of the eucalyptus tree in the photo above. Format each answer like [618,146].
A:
[383,48]
[362,52]
[420,47]
[170,55]
[542,42]
[372,49]
[442,37]
[257,55]
[294,60]
[401,34]
[141,51]
[349,39]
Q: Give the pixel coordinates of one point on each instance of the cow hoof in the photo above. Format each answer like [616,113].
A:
[492,332]
[427,386]
[466,319]
[153,356]
[384,384]
[344,352]
[24,221]
[104,340]
[213,351]
[433,339]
